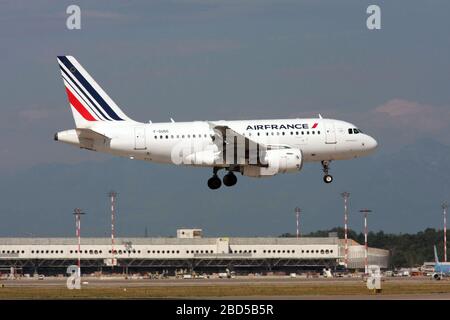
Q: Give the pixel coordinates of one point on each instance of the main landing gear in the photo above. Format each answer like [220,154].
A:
[327,178]
[229,180]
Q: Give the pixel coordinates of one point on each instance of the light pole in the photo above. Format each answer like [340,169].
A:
[346,195]
[78,212]
[366,253]
[112,195]
[444,208]
[297,214]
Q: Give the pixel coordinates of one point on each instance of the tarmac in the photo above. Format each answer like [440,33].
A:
[106,282]
[121,282]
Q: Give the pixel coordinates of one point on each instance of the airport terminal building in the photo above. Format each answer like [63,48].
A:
[189,251]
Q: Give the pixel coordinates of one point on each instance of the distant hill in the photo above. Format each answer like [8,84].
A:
[406,250]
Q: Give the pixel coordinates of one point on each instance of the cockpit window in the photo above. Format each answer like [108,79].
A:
[354,131]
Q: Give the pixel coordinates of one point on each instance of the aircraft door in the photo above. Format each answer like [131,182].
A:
[330,132]
[139,138]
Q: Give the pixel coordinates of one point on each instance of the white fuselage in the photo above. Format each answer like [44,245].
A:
[255,148]
[318,139]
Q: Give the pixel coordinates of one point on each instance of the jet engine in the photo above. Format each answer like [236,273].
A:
[276,161]
[436,276]
[201,158]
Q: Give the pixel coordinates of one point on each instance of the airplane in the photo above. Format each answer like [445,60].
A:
[254,148]
[441,269]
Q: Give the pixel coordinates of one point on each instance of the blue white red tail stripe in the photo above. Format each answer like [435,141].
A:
[91,102]
[79,107]
[70,86]
[75,86]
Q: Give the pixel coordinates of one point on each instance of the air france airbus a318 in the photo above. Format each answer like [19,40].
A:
[254,148]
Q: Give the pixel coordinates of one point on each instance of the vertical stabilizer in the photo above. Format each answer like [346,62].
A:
[88,101]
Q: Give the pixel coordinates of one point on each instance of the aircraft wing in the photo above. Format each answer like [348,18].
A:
[229,136]
[243,150]
[236,148]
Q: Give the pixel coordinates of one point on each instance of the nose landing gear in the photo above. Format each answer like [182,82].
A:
[327,178]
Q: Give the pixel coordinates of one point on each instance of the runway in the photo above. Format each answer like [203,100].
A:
[103,282]
[252,288]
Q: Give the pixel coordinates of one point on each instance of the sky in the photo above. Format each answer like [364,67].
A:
[210,60]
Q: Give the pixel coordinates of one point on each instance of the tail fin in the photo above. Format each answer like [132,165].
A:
[88,101]
[436,259]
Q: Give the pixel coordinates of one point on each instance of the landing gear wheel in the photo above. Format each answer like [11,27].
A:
[326,167]
[214,182]
[328,178]
[229,179]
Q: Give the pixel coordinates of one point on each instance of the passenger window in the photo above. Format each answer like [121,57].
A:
[156,137]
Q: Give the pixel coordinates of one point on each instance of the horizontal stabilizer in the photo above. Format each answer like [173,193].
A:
[90,134]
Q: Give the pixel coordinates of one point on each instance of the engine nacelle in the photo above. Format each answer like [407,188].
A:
[436,276]
[278,161]
[202,158]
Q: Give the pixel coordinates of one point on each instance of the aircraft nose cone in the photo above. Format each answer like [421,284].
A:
[372,144]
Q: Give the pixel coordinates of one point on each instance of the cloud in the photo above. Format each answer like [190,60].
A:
[399,107]
[399,121]
[97,14]
[204,46]
[413,115]
[34,114]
